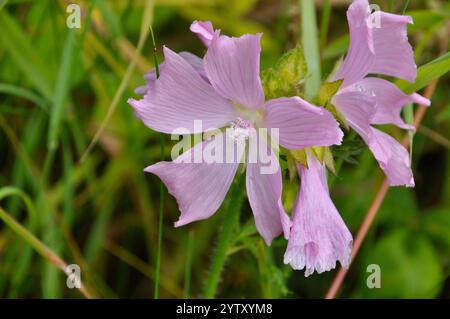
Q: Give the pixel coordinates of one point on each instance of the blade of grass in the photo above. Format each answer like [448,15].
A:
[405,6]
[324,23]
[20,252]
[110,18]
[21,51]
[311,47]
[43,197]
[29,95]
[121,253]
[145,26]
[426,74]
[37,245]
[161,188]
[61,89]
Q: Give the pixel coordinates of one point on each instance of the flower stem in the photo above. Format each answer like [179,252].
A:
[231,221]
[161,188]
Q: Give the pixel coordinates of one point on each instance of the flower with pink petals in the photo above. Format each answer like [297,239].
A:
[225,91]
[318,236]
[366,101]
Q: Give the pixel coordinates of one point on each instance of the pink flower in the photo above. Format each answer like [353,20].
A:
[225,91]
[364,101]
[318,236]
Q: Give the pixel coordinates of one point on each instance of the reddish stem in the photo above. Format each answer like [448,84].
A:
[373,210]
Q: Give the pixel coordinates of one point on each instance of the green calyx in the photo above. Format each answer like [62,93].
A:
[286,78]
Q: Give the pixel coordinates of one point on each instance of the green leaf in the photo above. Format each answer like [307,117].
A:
[311,47]
[426,74]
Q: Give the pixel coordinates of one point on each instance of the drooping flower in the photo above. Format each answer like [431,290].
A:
[228,94]
[378,45]
[318,236]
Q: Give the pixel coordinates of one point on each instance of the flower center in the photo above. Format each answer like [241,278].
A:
[240,129]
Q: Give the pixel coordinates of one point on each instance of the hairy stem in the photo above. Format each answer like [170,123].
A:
[231,221]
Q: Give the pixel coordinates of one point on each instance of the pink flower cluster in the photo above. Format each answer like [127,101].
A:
[224,90]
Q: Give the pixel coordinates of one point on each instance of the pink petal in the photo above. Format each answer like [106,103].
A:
[382,49]
[232,66]
[199,188]
[394,54]
[393,158]
[389,102]
[318,236]
[204,31]
[357,106]
[301,124]
[264,194]
[150,77]
[361,53]
[181,97]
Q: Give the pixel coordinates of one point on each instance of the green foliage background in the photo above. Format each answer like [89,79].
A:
[56,86]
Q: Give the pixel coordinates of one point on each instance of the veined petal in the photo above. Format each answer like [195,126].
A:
[264,186]
[389,102]
[361,53]
[318,236]
[357,106]
[393,158]
[204,31]
[232,67]
[394,55]
[150,77]
[180,98]
[199,185]
[301,124]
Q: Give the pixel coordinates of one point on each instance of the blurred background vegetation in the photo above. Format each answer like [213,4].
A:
[56,86]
